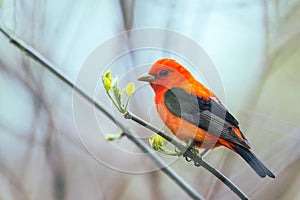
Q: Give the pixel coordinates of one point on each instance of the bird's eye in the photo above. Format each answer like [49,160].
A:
[164,73]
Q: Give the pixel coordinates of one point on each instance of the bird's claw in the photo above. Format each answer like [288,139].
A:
[190,146]
[188,159]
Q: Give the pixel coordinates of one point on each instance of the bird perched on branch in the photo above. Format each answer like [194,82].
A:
[193,113]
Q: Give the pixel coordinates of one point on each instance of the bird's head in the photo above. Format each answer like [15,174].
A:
[167,73]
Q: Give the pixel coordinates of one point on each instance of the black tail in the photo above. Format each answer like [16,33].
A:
[253,161]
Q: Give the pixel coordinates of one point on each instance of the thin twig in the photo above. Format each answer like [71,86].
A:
[188,153]
[145,148]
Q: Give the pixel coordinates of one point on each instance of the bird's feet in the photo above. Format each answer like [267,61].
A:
[191,146]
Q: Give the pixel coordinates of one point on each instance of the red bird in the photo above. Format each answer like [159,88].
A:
[192,112]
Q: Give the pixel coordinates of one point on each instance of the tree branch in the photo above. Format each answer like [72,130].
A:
[188,153]
[27,49]
[145,148]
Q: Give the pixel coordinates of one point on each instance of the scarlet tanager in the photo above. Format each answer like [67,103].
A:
[192,112]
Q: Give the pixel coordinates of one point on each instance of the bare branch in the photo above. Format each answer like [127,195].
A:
[189,154]
[144,147]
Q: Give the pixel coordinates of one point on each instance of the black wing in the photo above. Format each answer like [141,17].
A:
[208,115]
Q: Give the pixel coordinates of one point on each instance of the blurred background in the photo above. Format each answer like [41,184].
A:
[255,46]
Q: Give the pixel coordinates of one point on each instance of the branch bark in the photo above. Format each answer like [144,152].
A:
[28,50]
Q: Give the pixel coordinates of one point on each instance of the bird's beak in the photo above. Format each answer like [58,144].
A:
[147,78]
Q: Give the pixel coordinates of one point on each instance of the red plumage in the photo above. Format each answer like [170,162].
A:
[192,111]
